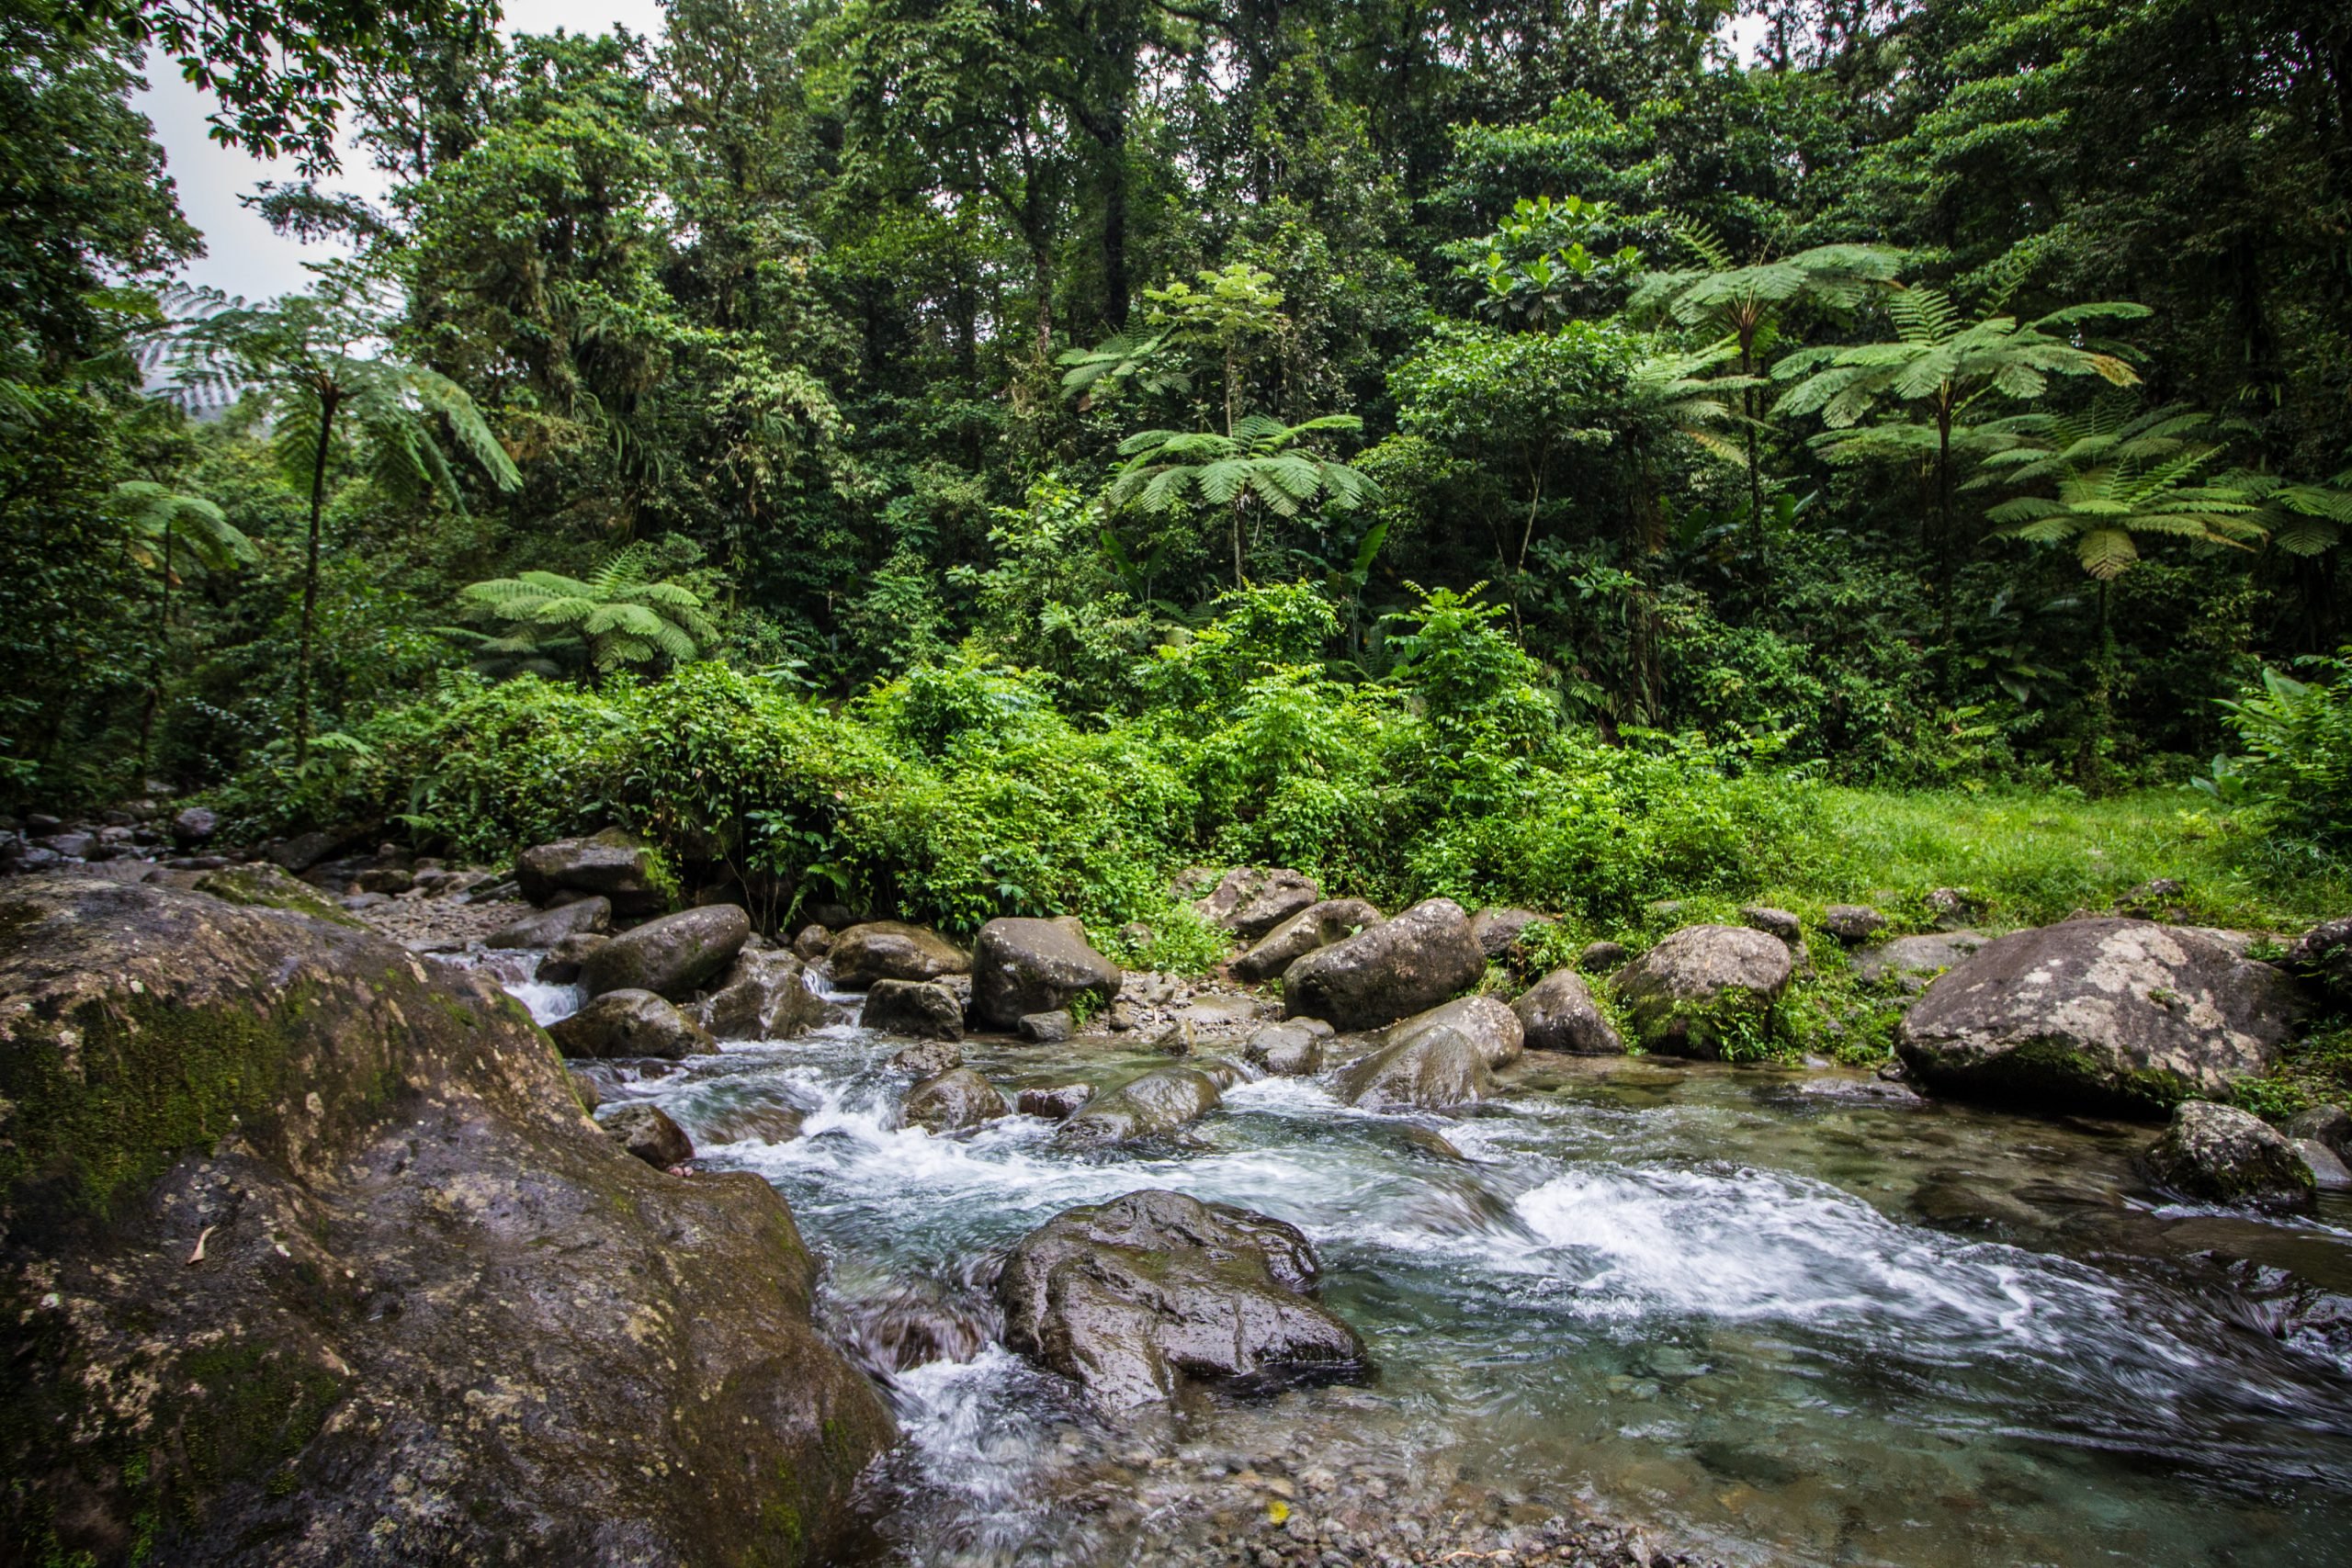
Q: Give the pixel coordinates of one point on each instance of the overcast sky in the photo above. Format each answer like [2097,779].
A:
[242,255]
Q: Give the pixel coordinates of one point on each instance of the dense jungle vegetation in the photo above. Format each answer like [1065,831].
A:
[968,458]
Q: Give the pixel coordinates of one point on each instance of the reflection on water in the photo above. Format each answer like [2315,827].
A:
[1799,1326]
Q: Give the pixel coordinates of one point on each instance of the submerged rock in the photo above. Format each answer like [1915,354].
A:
[614,863]
[1136,1296]
[1159,1102]
[1704,989]
[2226,1155]
[1250,901]
[630,1024]
[1057,1102]
[545,928]
[671,955]
[1317,925]
[646,1133]
[956,1098]
[1557,1013]
[920,1008]
[887,950]
[764,996]
[1390,971]
[2099,1014]
[1021,967]
[292,1243]
[1434,1069]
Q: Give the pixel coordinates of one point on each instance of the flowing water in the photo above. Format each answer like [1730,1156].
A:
[1757,1308]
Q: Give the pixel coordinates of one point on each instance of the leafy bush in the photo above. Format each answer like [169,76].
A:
[2298,738]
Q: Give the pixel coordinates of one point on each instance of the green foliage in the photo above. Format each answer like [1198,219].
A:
[2297,764]
[616,618]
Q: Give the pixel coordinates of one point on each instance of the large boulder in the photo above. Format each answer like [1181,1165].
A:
[764,995]
[614,863]
[1434,1069]
[1705,989]
[1317,925]
[1021,967]
[193,825]
[1290,1050]
[264,886]
[1390,971]
[2111,1015]
[1159,1102]
[1498,931]
[545,928]
[672,955]
[292,1244]
[1488,1022]
[918,1007]
[1558,1013]
[1250,901]
[1136,1296]
[648,1134]
[956,1098]
[885,950]
[630,1024]
[2223,1155]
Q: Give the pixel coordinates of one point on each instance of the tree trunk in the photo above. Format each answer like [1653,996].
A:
[156,660]
[328,399]
[1943,514]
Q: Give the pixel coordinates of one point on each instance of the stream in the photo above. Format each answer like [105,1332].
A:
[1759,1309]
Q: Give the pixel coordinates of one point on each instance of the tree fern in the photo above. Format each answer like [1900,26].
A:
[616,618]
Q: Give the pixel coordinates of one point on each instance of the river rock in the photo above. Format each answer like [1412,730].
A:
[764,995]
[813,943]
[885,950]
[671,955]
[1498,931]
[1021,967]
[2323,955]
[2099,1014]
[648,1133]
[753,1119]
[194,826]
[1602,957]
[928,1058]
[630,1024]
[1909,963]
[265,886]
[1286,1050]
[591,1096]
[1250,901]
[545,928]
[2326,1124]
[1318,925]
[1488,1022]
[1159,1102]
[1136,1296]
[1046,1028]
[1057,1102]
[956,1098]
[614,863]
[293,1232]
[2223,1155]
[1390,971]
[923,1009]
[1435,1069]
[564,961]
[1773,923]
[1558,1013]
[1852,924]
[1704,988]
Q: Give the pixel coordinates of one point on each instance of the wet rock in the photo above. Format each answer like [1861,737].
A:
[395,1192]
[1021,967]
[1159,1102]
[1134,1297]
[2327,1124]
[630,1024]
[1435,1069]
[1558,1013]
[956,1098]
[2101,1015]
[1498,931]
[813,943]
[646,1133]
[1908,963]
[614,863]
[1250,901]
[1286,1050]
[1885,1092]
[1488,1022]
[195,825]
[885,950]
[923,1009]
[1057,1102]
[928,1058]
[1773,923]
[752,1120]
[1852,924]
[764,995]
[671,955]
[265,886]
[2329,1171]
[590,1095]
[1046,1028]
[2223,1155]
[1391,971]
[564,961]
[1704,989]
[1603,957]
[2323,955]
[545,928]
[1318,925]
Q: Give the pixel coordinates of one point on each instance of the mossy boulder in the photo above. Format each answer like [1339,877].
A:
[1705,991]
[1317,925]
[1432,1069]
[671,956]
[1021,967]
[261,885]
[887,950]
[295,1238]
[1558,1013]
[614,863]
[2222,1155]
[1390,971]
[1143,1107]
